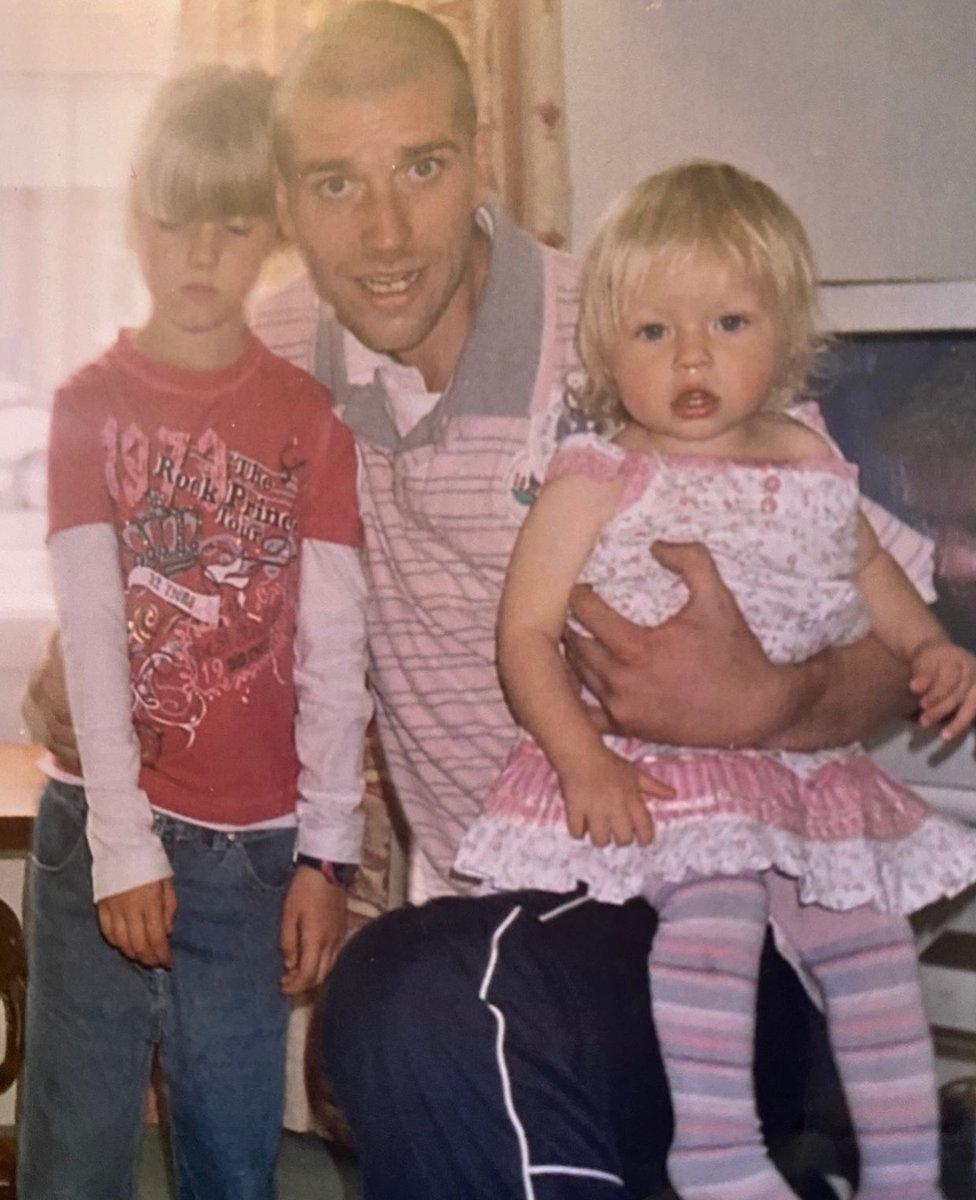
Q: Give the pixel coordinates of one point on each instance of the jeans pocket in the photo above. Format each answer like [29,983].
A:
[268,858]
[59,828]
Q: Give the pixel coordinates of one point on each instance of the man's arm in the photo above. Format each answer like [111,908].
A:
[47,715]
[850,692]
[702,679]
[45,709]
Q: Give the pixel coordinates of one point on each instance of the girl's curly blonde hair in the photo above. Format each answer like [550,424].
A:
[693,208]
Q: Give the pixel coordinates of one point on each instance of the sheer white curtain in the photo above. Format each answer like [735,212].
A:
[74,80]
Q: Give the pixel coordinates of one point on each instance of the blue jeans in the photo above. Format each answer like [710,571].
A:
[94,1017]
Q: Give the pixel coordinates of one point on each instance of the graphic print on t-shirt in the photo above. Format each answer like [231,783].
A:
[548,427]
[207,536]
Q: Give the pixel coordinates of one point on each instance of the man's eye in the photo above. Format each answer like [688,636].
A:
[652,332]
[733,322]
[167,226]
[424,169]
[333,187]
[239,229]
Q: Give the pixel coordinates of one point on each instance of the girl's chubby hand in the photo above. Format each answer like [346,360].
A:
[944,679]
[606,797]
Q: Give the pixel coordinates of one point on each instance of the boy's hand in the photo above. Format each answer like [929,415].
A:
[944,679]
[313,928]
[605,797]
[138,922]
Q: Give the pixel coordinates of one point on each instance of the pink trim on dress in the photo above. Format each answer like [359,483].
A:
[848,798]
[603,462]
[599,463]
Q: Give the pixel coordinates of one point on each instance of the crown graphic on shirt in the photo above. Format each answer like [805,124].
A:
[163,539]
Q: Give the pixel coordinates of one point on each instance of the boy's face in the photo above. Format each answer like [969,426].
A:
[380,200]
[199,273]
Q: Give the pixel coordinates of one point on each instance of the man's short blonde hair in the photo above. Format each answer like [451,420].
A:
[371,47]
[695,208]
[204,150]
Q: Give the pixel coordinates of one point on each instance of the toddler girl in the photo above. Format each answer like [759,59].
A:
[191,474]
[696,330]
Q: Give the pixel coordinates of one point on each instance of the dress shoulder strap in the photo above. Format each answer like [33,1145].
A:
[590,455]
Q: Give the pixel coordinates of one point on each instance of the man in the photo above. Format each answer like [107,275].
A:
[498,1047]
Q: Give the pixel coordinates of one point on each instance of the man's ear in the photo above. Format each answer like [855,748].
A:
[283,208]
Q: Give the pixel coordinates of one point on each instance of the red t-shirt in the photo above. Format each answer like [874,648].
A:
[210,479]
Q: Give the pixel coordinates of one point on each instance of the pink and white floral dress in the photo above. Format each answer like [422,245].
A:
[782,537]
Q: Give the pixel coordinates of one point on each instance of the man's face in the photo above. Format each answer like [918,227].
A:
[380,201]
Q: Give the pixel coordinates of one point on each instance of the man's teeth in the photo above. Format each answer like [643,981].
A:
[390,285]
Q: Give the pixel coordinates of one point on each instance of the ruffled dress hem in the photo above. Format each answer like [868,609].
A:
[937,859]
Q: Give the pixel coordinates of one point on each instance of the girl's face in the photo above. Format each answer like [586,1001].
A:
[199,274]
[697,357]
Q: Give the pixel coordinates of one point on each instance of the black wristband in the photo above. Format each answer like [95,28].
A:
[339,874]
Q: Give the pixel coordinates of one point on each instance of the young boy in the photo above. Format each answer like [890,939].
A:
[191,474]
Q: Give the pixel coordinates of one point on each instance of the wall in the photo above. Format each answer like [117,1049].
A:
[859,111]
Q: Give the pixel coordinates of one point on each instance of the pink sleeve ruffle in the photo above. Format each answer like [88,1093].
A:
[595,458]
[588,455]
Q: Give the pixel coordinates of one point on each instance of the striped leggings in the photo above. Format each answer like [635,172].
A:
[704,966]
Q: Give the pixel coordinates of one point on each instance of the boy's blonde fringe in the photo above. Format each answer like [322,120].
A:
[204,150]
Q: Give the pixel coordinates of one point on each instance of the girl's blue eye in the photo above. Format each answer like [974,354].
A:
[732,322]
[651,333]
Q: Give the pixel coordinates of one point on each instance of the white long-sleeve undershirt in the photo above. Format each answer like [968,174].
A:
[334,704]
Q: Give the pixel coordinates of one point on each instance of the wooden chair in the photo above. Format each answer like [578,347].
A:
[13,989]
